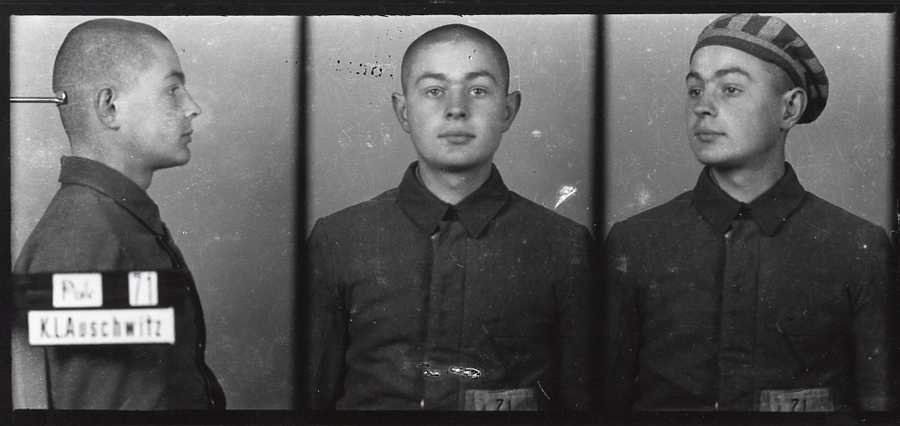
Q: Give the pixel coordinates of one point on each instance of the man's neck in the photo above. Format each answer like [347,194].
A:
[452,187]
[141,176]
[745,184]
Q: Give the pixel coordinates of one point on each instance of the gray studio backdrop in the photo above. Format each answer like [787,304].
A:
[231,209]
[357,149]
[843,157]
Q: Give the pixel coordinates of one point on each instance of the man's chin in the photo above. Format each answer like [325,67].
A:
[713,160]
[462,167]
[719,164]
[177,161]
[453,168]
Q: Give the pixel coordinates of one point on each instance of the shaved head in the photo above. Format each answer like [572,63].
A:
[781,81]
[102,53]
[450,34]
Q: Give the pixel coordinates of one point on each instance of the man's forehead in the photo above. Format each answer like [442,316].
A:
[461,49]
[716,61]
[164,63]
[150,52]
[161,46]
[454,49]
[469,57]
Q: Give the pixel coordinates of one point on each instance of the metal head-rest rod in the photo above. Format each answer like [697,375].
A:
[60,99]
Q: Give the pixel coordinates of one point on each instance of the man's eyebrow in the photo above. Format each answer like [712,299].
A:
[177,74]
[720,73]
[435,76]
[476,74]
[469,76]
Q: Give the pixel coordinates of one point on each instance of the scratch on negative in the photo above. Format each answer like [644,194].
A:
[564,193]
[622,264]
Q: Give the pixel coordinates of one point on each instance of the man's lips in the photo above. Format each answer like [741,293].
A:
[707,135]
[456,136]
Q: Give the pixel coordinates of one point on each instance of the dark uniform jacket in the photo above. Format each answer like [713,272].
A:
[780,304]
[417,304]
[100,220]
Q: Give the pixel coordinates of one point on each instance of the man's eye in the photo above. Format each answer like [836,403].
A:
[478,91]
[433,92]
[730,90]
[693,92]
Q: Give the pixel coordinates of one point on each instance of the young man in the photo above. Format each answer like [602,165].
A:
[748,293]
[127,114]
[450,291]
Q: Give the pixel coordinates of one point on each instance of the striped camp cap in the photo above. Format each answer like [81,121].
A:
[772,40]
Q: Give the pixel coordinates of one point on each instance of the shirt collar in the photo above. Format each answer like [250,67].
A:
[113,184]
[475,212]
[769,210]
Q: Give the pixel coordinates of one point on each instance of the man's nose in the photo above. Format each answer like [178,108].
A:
[456,106]
[705,104]
[191,109]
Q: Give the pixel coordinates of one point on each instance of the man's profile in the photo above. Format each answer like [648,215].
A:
[127,114]
[749,292]
[450,292]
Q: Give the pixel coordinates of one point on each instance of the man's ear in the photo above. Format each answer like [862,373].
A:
[513,102]
[105,108]
[399,103]
[794,102]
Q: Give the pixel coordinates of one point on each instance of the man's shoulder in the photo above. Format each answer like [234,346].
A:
[535,214]
[678,209]
[361,212]
[76,207]
[823,215]
[77,217]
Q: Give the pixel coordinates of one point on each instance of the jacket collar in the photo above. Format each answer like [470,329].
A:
[115,185]
[475,212]
[769,210]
